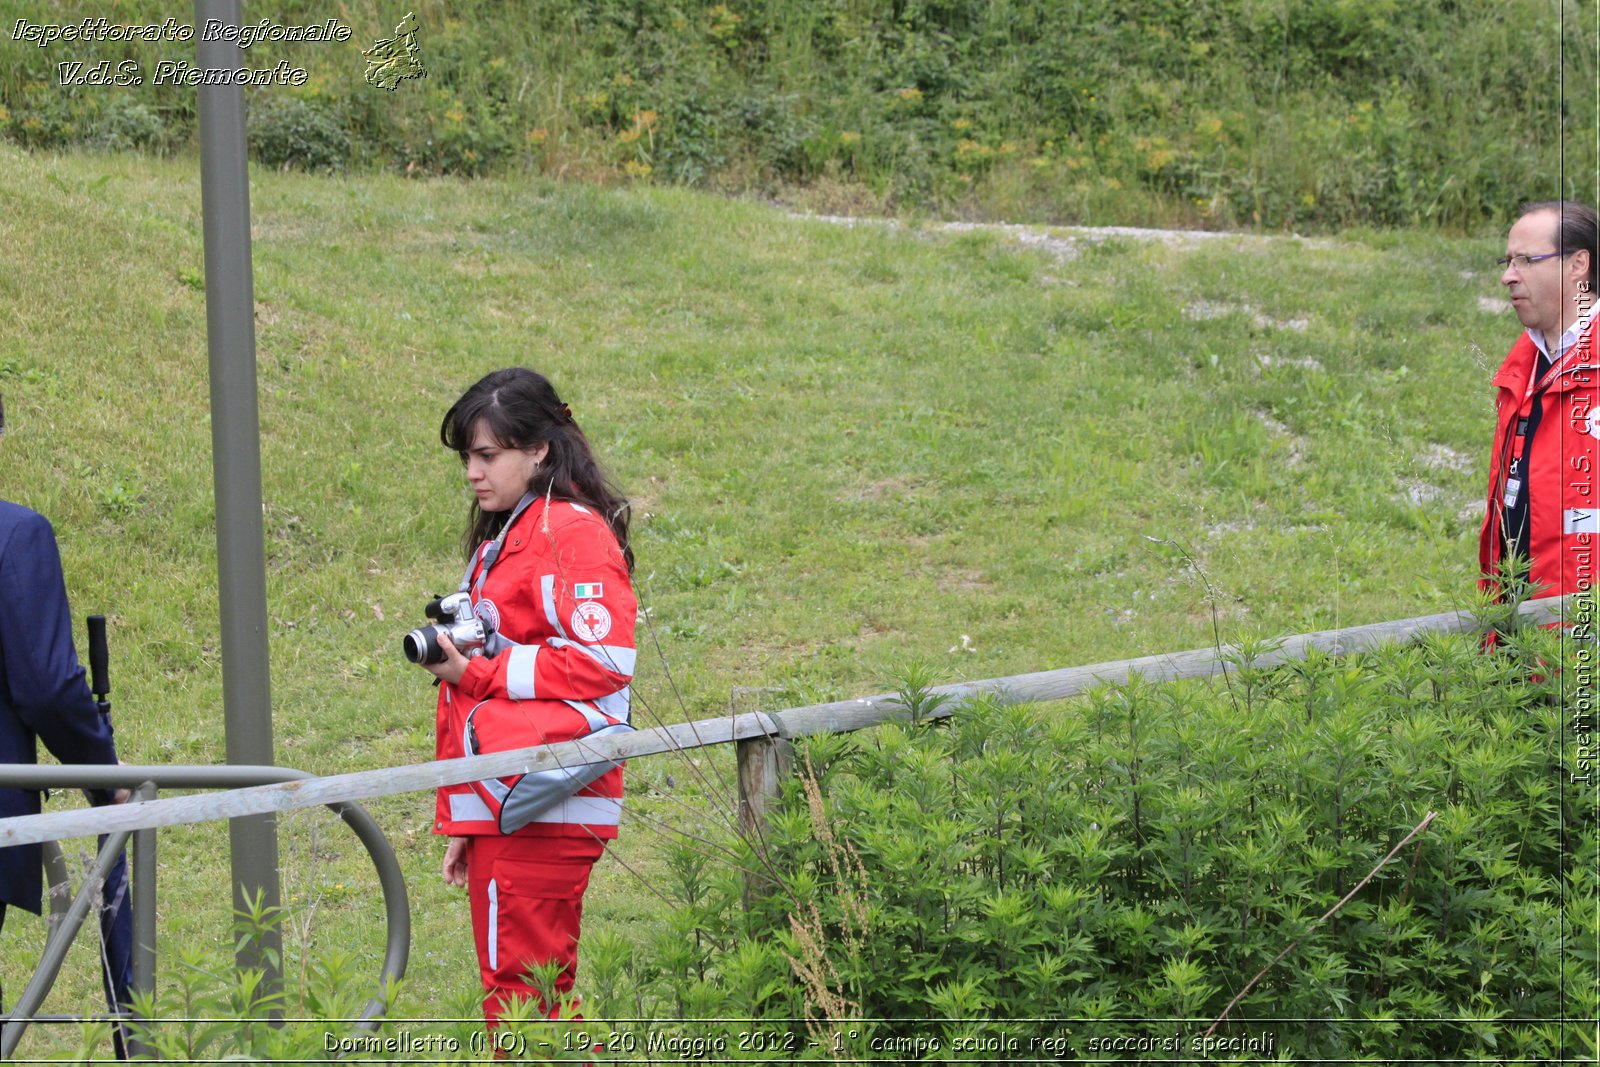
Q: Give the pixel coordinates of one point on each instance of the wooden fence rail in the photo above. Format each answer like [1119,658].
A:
[760,736]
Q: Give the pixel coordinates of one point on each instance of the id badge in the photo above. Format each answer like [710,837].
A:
[1513,490]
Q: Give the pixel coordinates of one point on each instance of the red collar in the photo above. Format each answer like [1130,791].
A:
[1515,372]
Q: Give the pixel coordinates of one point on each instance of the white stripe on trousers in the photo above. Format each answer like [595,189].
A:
[494,925]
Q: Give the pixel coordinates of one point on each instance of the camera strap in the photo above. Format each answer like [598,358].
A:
[491,552]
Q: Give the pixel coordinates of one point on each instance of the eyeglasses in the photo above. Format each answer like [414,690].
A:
[1522,262]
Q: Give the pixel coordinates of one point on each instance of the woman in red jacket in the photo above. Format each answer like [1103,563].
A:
[548,574]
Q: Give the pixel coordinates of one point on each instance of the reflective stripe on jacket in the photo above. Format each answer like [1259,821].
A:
[561,602]
[1558,468]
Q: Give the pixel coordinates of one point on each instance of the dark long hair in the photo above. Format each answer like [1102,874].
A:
[520,409]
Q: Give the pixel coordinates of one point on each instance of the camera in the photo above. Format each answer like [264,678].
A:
[453,615]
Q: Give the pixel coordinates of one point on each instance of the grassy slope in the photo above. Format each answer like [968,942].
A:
[847,447]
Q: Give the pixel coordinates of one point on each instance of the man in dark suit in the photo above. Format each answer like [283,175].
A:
[43,696]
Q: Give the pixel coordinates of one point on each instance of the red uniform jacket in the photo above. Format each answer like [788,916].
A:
[1558,471]
[560,599]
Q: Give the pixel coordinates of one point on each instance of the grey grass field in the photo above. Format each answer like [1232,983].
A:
[849,449]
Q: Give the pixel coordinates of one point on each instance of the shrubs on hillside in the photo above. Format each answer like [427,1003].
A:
[1130,861]
[1317,114]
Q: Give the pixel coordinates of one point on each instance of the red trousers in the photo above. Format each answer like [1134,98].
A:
[527,901]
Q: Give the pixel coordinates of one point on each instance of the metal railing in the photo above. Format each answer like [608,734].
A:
[146,781]
[760,738]
[750,729]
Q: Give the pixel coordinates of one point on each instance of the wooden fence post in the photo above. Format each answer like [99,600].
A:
[764,762]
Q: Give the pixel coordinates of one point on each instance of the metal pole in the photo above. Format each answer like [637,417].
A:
[236,458]
[58,884]
[143,884]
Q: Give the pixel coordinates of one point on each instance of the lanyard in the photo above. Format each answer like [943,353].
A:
[1570,360]
[491,551]
[1533,375]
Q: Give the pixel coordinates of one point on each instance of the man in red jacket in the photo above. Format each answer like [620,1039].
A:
[1544,472]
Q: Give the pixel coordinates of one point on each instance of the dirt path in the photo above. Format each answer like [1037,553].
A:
[1063,242]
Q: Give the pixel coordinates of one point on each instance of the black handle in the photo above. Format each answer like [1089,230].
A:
[99,658]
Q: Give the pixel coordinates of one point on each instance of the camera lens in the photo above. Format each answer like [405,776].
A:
[422,646]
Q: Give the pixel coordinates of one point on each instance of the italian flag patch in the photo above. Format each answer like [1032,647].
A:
[587,591]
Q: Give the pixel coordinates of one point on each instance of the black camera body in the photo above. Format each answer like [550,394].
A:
[453,616]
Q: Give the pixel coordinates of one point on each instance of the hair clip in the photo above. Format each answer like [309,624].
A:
[566,413]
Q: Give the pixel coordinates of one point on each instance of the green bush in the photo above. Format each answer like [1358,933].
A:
[124,124]
[1138,855]
[286,131]
[38,116]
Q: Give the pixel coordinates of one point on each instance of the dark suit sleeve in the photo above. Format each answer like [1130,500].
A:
[43,679]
